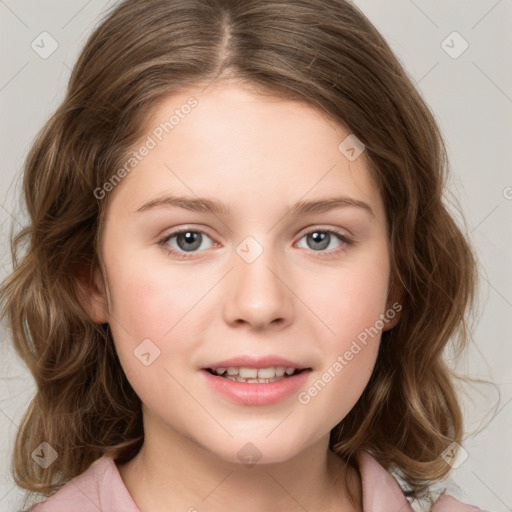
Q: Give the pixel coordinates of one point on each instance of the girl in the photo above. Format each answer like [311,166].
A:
[290,358]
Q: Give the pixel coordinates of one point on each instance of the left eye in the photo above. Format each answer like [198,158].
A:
[321,239]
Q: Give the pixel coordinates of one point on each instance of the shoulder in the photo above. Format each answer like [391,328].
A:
[447,503]
[381,491]
[100,487]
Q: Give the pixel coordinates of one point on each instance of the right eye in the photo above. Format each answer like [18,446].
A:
[185,241]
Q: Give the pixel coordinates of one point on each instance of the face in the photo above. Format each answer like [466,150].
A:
[273,279]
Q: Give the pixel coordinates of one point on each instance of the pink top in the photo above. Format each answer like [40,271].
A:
[101,489]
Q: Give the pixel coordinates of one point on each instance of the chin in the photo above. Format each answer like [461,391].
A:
[257,450]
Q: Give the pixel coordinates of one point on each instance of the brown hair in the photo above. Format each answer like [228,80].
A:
[323,52]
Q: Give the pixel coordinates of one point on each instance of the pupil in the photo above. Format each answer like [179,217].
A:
[320,238]
[192,240]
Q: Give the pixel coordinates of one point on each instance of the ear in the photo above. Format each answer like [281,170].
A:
[92,292]
[394,302]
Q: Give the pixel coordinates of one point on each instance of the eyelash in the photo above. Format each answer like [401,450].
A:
[183,255]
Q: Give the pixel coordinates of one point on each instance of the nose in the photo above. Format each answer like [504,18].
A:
[259,293]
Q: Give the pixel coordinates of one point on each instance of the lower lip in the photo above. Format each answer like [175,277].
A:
[256,394]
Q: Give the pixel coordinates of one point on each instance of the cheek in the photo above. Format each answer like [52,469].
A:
[149,301]
[350,300]
[349,351]
[152,332]
[150,319]
[350,303]
[336,388]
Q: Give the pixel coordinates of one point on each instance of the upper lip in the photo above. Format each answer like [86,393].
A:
[268,361]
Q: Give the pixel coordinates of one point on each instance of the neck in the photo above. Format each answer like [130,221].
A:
[171,472]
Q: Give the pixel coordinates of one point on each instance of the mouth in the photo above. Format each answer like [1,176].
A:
[256,383]
[252,375]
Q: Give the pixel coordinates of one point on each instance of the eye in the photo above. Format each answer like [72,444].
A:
[320,239]
[186,240]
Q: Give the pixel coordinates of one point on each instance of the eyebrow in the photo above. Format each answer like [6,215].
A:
[215,207]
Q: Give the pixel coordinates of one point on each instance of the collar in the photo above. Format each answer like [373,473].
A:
[381,491]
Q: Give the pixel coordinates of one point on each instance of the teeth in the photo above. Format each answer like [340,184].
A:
[266,373]
[254,373]
[248,373]
[237,378]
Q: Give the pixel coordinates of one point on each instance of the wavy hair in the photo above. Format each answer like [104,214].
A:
[322,52]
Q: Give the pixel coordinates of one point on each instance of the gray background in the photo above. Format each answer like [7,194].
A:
[471,97]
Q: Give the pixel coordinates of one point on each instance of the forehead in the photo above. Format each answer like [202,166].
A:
[246,149]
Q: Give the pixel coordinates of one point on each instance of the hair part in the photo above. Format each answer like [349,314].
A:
[325,53]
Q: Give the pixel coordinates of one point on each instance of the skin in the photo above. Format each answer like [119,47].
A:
[259,155]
